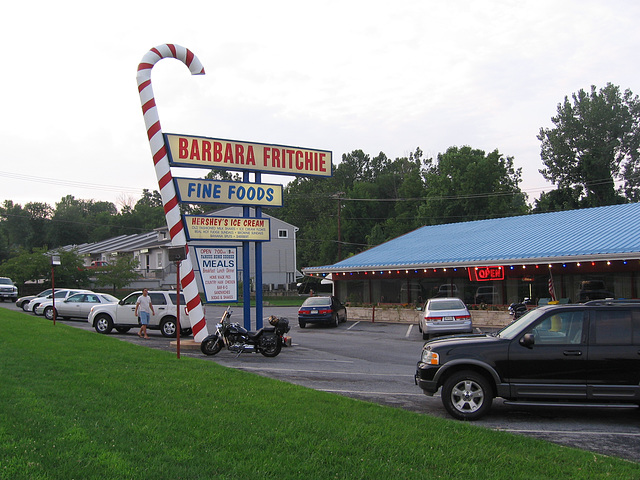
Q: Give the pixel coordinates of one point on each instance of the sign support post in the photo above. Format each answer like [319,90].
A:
[178,254]
[259,292]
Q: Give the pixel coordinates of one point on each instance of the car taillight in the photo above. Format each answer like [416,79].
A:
[463,317]
[432,319]
[324,312]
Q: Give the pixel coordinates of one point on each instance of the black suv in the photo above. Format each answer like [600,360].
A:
[576,355]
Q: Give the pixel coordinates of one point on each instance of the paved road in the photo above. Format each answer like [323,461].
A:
[376,362]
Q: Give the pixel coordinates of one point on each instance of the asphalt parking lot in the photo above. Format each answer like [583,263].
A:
[376,362]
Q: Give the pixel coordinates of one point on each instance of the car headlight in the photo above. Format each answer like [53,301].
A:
[430,357]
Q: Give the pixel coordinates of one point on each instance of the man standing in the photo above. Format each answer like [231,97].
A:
[144,309]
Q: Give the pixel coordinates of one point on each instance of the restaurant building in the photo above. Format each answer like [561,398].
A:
[573,256]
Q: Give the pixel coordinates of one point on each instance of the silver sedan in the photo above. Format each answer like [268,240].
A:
[75,306]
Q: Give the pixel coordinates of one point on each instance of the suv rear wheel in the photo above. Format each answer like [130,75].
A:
[168,327]
[467,395]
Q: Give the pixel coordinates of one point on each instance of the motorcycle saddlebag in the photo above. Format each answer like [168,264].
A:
[282,326]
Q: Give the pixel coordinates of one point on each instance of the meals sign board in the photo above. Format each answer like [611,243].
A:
[190,151]
[219,273]
[203,227]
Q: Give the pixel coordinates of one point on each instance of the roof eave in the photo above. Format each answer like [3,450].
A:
[477,263]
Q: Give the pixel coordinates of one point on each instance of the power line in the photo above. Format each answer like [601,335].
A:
[68,183]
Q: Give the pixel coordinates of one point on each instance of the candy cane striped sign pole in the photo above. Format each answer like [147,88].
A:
[163,173]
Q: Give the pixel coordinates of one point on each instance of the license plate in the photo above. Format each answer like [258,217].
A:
[448,319]
[314,312]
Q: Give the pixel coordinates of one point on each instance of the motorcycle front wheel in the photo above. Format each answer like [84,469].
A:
[273,349]
[211,345]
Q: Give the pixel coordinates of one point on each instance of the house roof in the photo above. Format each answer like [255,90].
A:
[132,243]
[122,243]
[611,232]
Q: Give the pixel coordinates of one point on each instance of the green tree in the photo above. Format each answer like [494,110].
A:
[118,274]
[466,184]
[148,211]
[28,266]
[36,266]
[310,205]
[558,200]
[409,196]
[15,224]
[69,225]
[71,272]
[23,227]
[226,175]
[594,144]
[39,223]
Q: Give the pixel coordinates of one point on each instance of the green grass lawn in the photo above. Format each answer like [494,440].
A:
[78,405]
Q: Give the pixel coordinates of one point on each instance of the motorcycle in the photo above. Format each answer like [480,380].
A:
[268,340]
[517,309]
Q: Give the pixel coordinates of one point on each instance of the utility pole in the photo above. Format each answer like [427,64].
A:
[338,196]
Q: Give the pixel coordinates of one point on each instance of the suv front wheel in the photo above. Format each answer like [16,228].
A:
[103,323]
[467,395]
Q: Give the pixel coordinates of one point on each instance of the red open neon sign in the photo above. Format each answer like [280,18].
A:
[485,274]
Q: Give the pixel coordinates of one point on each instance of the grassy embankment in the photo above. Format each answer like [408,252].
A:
[75,404]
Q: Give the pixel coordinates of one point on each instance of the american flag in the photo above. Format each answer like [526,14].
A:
[552,290]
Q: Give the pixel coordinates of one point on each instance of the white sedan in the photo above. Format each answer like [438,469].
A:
[75,306]
[60,294]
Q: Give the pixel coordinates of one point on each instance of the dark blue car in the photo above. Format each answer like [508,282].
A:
[327,310]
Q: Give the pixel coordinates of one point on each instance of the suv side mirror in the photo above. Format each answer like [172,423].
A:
[527,340]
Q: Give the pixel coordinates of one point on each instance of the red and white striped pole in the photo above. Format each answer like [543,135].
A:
[163,173]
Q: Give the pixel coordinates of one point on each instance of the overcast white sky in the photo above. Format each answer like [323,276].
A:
[333,75]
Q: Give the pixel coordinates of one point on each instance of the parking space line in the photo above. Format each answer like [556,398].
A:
[353,325]
[568,432]
[409,331]
[364,392]
[287,370]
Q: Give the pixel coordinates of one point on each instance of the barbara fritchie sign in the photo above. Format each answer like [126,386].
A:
[203,227]
[189,151]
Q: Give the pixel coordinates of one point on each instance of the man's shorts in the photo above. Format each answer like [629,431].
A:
[144,318]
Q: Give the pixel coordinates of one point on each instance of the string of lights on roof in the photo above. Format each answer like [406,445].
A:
[455,269]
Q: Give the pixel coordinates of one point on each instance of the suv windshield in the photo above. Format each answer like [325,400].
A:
[513,329]
[5,281]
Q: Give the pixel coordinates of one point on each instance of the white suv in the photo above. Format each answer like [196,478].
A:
[121,315]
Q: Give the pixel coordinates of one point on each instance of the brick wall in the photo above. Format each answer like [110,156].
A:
[389,314]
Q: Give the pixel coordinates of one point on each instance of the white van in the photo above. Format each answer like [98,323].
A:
[488,295]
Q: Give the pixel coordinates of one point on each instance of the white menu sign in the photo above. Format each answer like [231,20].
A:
[219,273]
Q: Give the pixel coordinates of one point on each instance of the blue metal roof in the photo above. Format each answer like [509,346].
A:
[611,232]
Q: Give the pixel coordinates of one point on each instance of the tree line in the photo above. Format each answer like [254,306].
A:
[590,155]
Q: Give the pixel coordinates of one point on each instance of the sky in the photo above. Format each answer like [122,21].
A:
[331,75]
